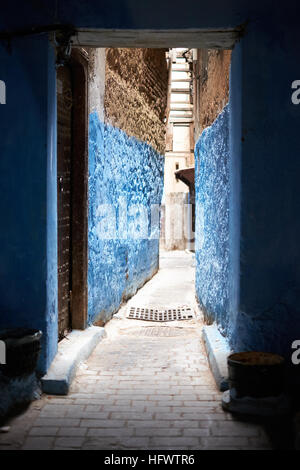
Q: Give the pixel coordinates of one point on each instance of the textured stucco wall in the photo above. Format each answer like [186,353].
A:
[123,172]
[128,91]
[136,93]
[211,87]
[263,264]
[212,219]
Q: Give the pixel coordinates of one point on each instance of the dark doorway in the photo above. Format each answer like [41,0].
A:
[72,175]
[64,197]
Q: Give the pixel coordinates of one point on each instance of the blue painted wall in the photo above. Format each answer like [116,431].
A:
[123,172]
[28,191]
[263,283]
[268,315]
[212,219]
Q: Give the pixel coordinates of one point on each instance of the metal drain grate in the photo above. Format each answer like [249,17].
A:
[153,314]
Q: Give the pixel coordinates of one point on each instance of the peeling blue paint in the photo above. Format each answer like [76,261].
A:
[212,219]
[123,172]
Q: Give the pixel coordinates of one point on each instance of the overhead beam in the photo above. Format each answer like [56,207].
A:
[190,38]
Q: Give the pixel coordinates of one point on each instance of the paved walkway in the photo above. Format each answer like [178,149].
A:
[146,386]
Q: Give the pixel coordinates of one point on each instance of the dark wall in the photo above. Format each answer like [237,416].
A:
[134,14]
[268,316]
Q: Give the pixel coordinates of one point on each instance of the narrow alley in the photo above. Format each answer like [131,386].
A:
[146,386]
[149,166]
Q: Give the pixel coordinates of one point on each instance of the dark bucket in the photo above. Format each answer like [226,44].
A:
[256,374]
[23,346]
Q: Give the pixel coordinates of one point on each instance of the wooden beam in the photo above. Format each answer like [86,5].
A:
[190,38]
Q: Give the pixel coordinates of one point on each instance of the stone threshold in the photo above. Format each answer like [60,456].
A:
[217,350]
[72,350]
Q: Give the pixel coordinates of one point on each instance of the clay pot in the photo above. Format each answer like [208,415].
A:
[22,351]
[256,374]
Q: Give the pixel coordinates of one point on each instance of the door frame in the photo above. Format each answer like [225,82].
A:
[79,183]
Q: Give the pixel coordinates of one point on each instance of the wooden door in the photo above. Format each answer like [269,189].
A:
[64,197]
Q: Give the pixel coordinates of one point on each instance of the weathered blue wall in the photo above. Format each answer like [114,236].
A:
[263,309]
[123,171]
[28,191]
[212,219]
[268,315]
